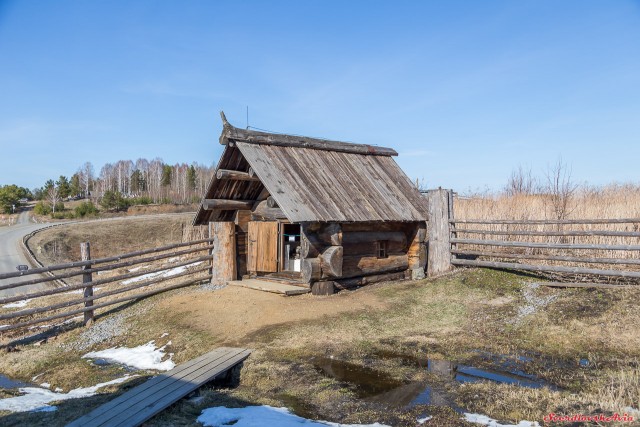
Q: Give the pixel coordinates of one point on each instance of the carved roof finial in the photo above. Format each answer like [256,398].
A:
[225,123]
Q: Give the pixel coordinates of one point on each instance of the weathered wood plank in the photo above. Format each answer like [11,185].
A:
[100,260]
[549,221]
[223,254]
[624,261]
[121,402]
[546,268]
[323,288]
[585,285]
[143,402]
[94,297]
[99,282]
[331,262]
[270,286]
[232,133]
[546,245]
[222,204]
[106,304]
[235,175]
[262,212]
[353,266]
[367,280]
[85,255]
[263,247]
[311,269]
[363,242]
[550,233]
[439,254]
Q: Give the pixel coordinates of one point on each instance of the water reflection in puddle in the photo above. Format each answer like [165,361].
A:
[8,383]
[376,386]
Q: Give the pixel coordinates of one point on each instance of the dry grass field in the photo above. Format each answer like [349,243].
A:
[611,202]
[111,237]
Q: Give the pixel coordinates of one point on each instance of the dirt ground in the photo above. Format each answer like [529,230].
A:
[234,314]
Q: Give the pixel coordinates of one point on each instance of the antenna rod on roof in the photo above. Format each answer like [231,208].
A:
[247,117]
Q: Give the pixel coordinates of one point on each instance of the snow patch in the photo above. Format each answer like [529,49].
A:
[167,273]
[45,385]
[485,420]
[17,304]
[424,420]
[146,356]
[37,399]
[166,334]
[263,416]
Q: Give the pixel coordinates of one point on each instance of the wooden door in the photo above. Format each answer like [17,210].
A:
[263,246]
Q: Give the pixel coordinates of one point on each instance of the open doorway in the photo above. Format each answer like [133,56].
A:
[273,249]
[290,248]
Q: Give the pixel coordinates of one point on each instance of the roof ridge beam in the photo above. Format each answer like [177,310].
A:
[231,133]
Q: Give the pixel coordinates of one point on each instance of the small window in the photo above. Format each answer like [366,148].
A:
[381,248]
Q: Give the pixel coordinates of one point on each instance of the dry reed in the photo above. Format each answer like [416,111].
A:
[610,202]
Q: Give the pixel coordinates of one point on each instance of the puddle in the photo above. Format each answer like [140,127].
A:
[8,383]
[375,386]
[366,382]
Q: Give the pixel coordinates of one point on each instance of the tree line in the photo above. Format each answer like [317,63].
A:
[117,185]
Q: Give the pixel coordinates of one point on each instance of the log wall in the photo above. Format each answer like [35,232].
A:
[347,253]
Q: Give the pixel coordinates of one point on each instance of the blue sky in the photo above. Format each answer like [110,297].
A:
[465,91]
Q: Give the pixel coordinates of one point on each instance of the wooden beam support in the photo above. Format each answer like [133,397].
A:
[223,260]
[331,261]
[236,175]
[222,204]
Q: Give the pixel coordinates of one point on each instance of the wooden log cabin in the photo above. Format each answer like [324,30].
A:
[313,213]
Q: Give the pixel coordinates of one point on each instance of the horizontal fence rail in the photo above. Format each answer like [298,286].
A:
[564,247]
[191,261]
[547,245]
[100,260]
[548,221]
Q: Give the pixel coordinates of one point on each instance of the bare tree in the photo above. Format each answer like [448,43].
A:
[53,197]
[521,182]
[560,189]
[86,177]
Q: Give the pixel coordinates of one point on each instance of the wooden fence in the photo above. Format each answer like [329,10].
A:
[581,249]
[154,266]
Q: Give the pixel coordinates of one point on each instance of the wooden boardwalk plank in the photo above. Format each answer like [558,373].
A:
[143,402]
[269,286]
[159,401]
[125,399]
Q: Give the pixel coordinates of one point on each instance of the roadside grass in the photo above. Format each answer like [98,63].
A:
[8,219]
[61,244]
[457,318]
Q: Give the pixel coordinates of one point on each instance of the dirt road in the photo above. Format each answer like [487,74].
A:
[12,255]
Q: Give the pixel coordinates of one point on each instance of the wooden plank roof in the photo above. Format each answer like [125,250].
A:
[318,180]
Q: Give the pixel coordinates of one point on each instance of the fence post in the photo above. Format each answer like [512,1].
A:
[85,253]
[439,248]
[223,254]
[211,249]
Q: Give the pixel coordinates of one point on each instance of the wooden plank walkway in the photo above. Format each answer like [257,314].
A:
[270,286]
[143,402]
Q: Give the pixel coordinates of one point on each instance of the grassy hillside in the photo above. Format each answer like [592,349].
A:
[109,237]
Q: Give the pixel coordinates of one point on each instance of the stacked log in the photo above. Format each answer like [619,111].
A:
[417,254]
